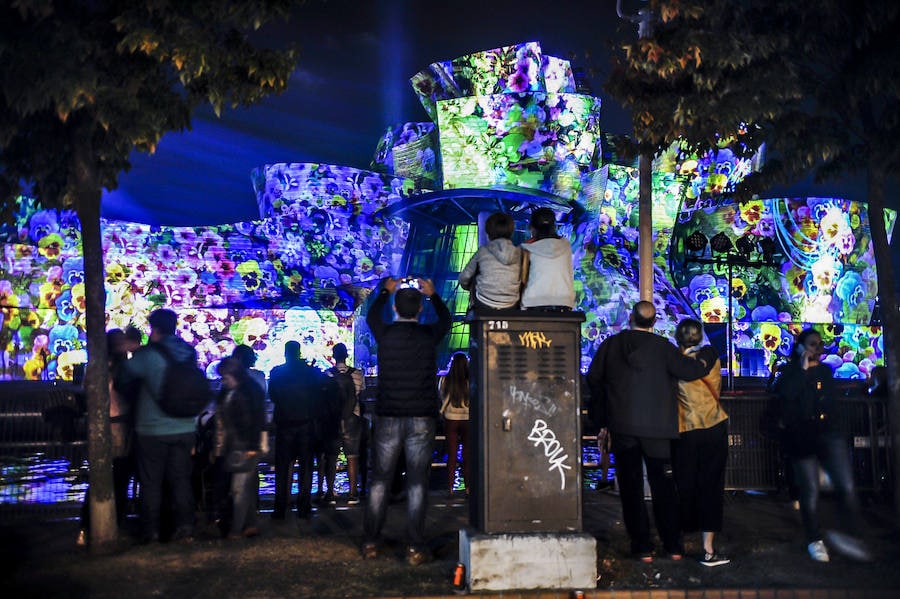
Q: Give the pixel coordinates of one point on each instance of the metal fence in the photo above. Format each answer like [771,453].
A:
[43,448]
[755,463]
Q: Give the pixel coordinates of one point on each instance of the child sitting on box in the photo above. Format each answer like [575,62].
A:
[492,275]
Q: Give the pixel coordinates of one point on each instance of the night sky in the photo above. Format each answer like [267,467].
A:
[352,81]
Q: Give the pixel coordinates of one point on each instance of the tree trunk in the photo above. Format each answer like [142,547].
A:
[103,530]
[645,226]
[890,318]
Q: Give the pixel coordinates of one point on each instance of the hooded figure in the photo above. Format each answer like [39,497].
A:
[550,281]
[493,273]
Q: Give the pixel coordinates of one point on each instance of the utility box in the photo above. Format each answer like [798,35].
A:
[525,417]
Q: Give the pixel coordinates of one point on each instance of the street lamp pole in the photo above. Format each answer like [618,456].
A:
[644,20]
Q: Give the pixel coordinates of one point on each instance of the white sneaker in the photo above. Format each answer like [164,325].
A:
[818,551]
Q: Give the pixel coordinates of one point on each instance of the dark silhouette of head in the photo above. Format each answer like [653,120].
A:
[115,341]
[163,321]
[245,354]
[408,303]
[339,352]
[543,223]
[292,351]
[643,315]
[459,366]
[499,225]
[689,333]
[456,382]
[232,366]
[133,334]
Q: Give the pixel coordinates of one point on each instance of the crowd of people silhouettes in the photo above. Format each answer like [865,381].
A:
[656,406]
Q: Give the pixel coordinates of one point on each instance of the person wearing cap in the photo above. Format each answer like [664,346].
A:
[547,268]
[633,378]
[406,409]
[350,384]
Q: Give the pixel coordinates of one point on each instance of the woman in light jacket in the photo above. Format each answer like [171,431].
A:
[455,412]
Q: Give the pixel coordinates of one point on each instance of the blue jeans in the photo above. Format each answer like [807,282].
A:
[244,496]
[166,458]
[415,436]
[834,456]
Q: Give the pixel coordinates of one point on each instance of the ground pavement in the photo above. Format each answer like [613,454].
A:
[320,557]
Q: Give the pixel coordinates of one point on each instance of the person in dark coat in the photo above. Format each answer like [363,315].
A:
[633,380]
[242,413]
[294,388]
[805,389]
[406,410]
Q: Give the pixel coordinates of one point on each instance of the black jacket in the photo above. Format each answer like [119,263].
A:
[243,415]
[633,380]
[295,389]
[807,406]
[407,360]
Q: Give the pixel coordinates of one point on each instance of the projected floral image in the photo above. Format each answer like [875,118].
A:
[512,69]
[508,120]
[822,267]
[605,247]
[542,141]
[852,351]
[821,270]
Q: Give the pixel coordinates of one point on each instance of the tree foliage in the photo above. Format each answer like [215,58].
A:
[122,74]
[82,84]
[818,82]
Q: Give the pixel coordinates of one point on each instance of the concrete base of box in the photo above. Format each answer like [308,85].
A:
[520,561]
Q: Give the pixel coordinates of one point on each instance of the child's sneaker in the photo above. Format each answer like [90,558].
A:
[818,551]
[369,551]
[714,559]
[416,557]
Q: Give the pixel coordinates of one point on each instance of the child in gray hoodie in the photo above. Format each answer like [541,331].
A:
[492,274]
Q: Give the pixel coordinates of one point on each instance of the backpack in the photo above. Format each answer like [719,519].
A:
[327,419]
[185,390]
[346,390]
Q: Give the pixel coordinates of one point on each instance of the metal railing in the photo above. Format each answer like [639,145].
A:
[755,462]
[43,447]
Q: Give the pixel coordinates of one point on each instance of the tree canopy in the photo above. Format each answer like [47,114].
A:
[118,75]
[85,82]
[817,82]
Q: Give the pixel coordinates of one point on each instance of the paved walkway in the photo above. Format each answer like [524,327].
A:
[320,558]
[763,537]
